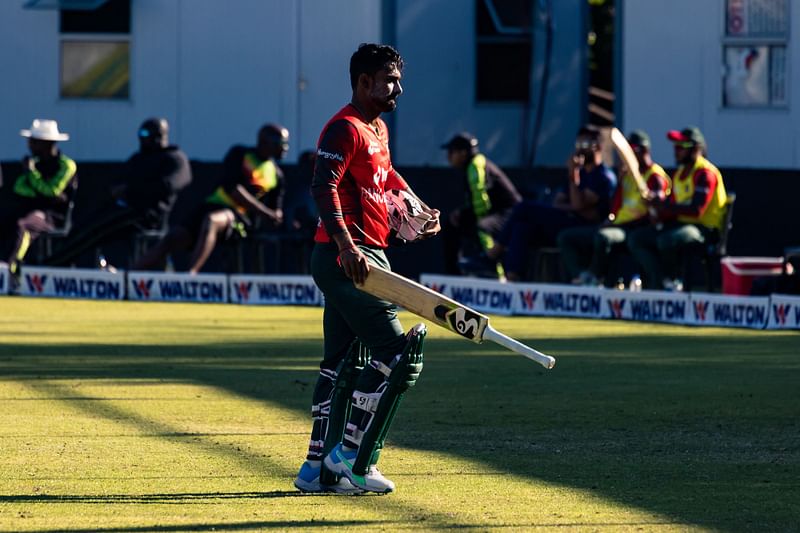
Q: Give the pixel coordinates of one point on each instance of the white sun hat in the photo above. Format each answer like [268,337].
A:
[45,130]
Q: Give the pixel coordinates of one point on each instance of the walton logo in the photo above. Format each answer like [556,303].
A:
[528,299]
[781,312]
[437,288]
[700,309]
[35,283]
[142,288]
[616,307]
[243,290]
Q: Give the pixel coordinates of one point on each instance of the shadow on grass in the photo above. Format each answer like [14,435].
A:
[364,525]
[702,429]
[280,525]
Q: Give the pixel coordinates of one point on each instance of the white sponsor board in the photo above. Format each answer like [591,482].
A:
[784,312]
[177,287]
[4,282]
[274,290]
[729,311]
[484,295]
[538,299]
[72,283]
[648,306]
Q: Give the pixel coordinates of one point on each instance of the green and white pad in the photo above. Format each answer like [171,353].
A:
[380,407]
[347,374]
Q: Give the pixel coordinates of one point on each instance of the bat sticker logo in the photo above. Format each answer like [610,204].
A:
[463,322]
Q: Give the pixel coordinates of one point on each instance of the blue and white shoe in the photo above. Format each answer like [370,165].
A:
[340,462]
[307,480]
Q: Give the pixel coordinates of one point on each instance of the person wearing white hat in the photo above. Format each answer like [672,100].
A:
[40,196]
[142,197]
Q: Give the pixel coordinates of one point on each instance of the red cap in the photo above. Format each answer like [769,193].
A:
[691,134]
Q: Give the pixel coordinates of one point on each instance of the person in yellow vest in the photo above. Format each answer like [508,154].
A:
[585,250]
[489,197]
[692,214]
[39,199]
[253,184]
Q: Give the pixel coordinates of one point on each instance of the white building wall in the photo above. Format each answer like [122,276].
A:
[216,70]
[672,77]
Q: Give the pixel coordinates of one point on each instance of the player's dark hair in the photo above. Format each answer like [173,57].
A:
[370,58]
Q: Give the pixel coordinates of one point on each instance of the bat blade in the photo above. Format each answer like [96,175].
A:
[443,311]
[625,152]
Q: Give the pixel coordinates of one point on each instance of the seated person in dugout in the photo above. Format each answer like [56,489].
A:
[585,250]
[584,202]
[39,199]
[142,199]
[253,183]
[489,199]
[692,214]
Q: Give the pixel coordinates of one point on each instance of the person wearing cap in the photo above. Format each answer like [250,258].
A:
[252,183]
[39,199]
[692,214]
[142,198]
[585,201]
[490,197]
[585,250]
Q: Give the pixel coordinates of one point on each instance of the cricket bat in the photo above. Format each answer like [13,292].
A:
[629,158]
[443,311]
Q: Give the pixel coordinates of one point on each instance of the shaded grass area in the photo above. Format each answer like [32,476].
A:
[168,417]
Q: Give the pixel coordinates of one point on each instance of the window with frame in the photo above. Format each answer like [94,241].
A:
[755,54]
[504,50]
[95,51]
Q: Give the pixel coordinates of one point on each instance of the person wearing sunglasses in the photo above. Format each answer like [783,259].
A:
[585,200]
[586,250]
[252,184]
[140,198]
[692,214]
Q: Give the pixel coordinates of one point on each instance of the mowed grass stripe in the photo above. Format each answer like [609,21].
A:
[160,410]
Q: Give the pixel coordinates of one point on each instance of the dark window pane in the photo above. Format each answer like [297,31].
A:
[112,17]
[503,72]
[513,15]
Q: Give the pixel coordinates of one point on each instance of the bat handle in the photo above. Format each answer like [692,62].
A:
[515,346]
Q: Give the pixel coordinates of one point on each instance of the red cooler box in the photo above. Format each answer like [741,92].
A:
[738,272]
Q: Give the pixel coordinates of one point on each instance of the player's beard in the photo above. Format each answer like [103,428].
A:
[386,104]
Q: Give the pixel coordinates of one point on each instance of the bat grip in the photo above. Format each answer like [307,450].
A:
[515,346]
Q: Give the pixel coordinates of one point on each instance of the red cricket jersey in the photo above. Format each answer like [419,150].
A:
[352,171]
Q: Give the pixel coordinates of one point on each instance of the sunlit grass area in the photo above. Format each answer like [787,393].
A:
[123,416]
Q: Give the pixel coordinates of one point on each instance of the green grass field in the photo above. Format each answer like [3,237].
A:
[167,417]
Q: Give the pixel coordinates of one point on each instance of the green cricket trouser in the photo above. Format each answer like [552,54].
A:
[351,313]
[589,248]
[658,251]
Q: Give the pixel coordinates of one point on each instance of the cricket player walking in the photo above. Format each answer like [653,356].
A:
[369,361]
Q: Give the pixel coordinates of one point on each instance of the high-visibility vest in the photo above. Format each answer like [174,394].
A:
[683,192]
[633,206]
[263,178]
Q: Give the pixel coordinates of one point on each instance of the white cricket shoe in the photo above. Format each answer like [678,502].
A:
[340,462]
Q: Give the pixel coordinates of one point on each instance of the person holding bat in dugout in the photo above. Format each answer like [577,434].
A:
[585,250]
[693,213]
[369,361]
[585,201]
